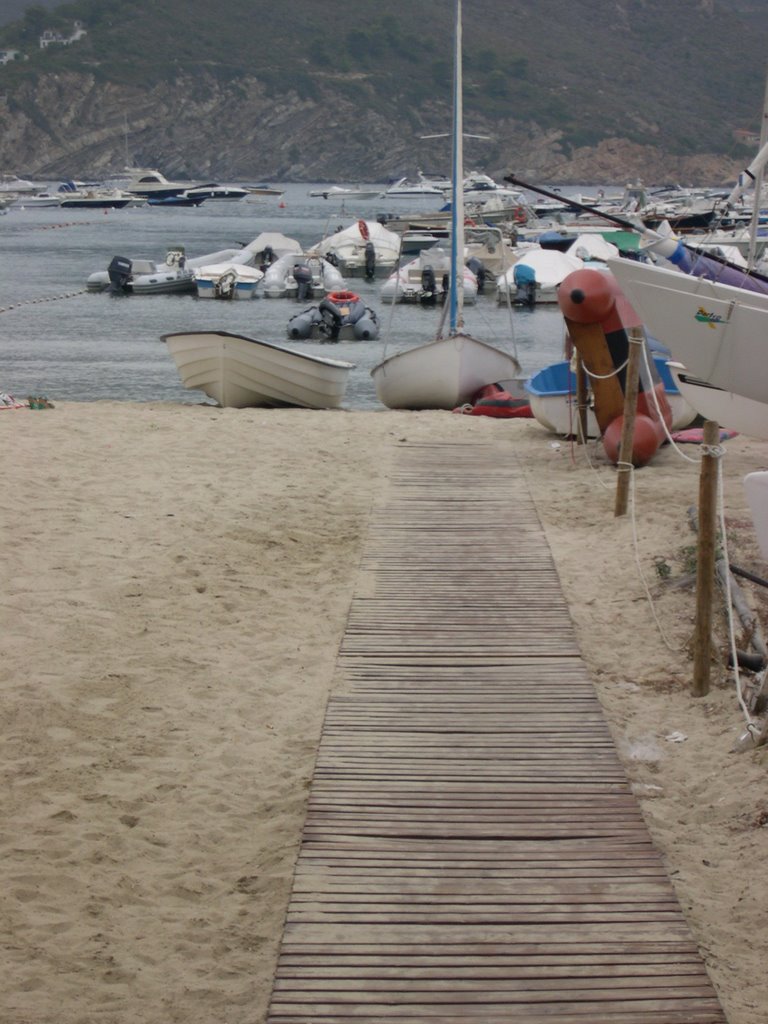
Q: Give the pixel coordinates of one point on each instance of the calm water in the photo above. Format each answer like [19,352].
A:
[83,347]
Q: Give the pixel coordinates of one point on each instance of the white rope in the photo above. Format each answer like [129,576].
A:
[750,721]
[607,376]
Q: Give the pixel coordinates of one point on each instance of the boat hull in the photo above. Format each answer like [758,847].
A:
[442,374]
[240,372]
[733,412]
[716,331]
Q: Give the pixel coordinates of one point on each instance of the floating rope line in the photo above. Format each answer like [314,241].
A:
[48,298]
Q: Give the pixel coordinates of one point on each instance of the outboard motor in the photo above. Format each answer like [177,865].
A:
[330,324]
[332,258]
[370,261]
[478,269]
[428,286]
[119,271]
[525,281]
[303,277]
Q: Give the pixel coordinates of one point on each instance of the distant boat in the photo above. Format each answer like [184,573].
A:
[346,192]
[262,190]
[421,189]
[240,372]
[450,370]
[72,197]
[158,190]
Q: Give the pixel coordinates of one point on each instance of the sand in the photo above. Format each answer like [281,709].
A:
[176,584]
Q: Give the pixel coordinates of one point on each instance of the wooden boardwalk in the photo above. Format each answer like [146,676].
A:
[472,850]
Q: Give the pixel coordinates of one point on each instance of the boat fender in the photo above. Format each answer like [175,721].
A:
[362,227]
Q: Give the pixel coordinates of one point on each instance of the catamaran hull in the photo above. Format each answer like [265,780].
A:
[744,415]
[240,372]
[718,332]
[442,374]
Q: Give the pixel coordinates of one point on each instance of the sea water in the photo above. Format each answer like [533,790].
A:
[58,340]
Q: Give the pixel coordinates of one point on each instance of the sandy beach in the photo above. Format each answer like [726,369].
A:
[176,585]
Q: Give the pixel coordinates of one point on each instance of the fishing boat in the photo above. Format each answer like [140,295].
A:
[449,371]
[239,372]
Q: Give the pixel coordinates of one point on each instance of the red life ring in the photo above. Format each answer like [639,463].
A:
[520,215]
[362,227]
[341,298]
[469,223]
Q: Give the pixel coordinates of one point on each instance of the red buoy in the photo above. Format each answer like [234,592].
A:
[645,442]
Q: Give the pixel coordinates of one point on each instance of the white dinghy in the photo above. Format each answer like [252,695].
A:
[240,372]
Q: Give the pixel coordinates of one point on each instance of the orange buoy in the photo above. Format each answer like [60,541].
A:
[339,298]
[646,440]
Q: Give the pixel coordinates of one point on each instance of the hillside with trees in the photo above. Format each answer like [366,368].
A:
[342,90]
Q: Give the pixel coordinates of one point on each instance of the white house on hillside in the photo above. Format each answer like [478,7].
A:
[52,38]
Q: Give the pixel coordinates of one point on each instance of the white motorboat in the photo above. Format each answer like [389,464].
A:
[93,198]
[262,190]
[301,276]
[717,331]
[449,371]
[404,189]
[364,249]
[346,192]
[733,412]
[240,372]
[37,200]
[153,186]
[426,279]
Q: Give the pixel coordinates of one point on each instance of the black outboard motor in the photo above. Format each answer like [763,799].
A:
[330,325]
[303,277]
[119,271]
[268,257]
[478,269]
[370,261]
[428,286]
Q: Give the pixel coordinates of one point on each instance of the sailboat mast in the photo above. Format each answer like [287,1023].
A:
[456,293]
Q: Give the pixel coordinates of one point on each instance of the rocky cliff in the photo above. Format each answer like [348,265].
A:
[72,125]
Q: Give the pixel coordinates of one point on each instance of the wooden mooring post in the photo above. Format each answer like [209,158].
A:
[631,388]
[705,561]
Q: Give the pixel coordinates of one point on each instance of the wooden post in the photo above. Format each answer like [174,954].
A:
[631,387]
[582,407]
[705,563]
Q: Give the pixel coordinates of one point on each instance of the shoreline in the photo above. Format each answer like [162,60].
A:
[178,578]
